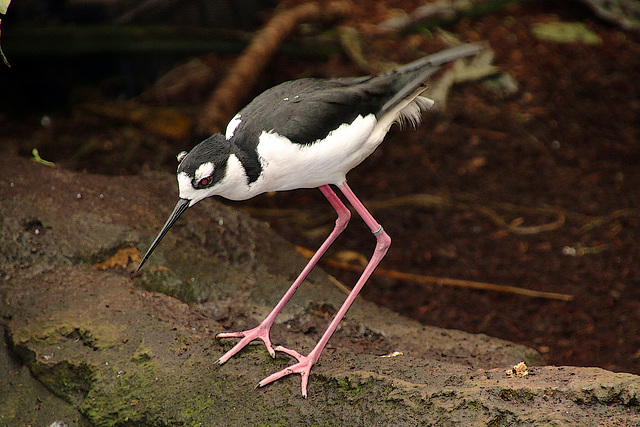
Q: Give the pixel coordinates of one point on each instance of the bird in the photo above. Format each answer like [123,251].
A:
[306,133]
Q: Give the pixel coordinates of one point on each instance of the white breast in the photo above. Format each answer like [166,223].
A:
[287,165]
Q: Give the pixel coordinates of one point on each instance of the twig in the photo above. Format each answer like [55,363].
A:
[230,93]
[428,200]
[623,13]
[340,285]
[465,203]
[439,11]
[515,227]
[445,281]
[442,281]
[147,9]
[4,58]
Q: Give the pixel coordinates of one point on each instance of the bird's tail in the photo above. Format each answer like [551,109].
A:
[419,71]
[438,59]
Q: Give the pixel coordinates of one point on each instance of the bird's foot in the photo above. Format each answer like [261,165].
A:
[303,367]
[259,332]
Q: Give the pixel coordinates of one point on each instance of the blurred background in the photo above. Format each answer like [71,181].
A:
[525,177]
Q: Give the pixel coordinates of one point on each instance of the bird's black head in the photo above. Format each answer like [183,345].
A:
[202,168]
[198,173]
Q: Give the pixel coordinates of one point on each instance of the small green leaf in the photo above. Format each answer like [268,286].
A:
[565,32]
[4,58]
[4,5]
[36,158]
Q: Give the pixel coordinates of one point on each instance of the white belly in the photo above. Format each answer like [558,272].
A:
[288,166]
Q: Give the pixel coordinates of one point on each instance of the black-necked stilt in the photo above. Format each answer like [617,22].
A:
[303,134]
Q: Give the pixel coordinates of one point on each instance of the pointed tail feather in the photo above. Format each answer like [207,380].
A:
[423,68]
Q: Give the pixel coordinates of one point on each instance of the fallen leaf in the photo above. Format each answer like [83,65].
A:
[565,32]
[122,259]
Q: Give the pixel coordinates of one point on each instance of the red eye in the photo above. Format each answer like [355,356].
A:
[204,182]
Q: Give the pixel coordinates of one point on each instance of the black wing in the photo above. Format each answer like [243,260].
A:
[306,110]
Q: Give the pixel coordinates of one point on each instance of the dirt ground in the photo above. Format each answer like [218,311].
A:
[543,186]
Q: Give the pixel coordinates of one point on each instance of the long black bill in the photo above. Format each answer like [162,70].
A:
[181,206]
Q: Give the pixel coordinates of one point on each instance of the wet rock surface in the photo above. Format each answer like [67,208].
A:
[88,342]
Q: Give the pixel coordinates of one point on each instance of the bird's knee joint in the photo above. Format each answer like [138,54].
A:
[384,240]
[343,218]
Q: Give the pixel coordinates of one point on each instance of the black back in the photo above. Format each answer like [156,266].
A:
[306,110]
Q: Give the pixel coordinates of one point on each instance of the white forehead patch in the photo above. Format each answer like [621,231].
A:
[232,126]
[186,191]
[204,170]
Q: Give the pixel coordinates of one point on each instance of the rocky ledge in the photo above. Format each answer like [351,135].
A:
[87,342]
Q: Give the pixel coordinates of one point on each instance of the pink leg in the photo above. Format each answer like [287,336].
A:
[303,367]
[262,330]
